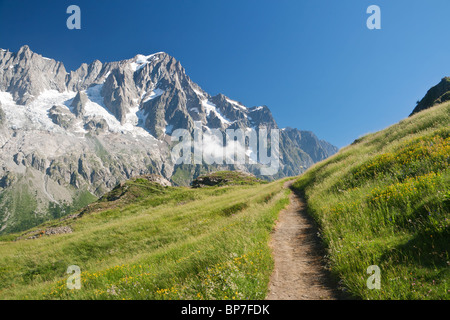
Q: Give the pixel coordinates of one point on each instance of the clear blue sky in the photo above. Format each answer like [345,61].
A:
[313,62]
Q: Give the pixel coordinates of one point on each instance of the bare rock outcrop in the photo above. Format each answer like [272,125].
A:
[26,74]
[78,103]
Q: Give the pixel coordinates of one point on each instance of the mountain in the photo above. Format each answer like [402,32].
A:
[440,93]
[66,138]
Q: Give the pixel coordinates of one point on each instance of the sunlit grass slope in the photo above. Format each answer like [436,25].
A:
[385,201]
[153,242]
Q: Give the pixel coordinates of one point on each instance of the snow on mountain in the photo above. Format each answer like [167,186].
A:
[140,61]
[211,107]
[33,116]
[152,94]
[237,104]
[96,108]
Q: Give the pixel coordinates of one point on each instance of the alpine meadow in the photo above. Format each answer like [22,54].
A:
[224,158]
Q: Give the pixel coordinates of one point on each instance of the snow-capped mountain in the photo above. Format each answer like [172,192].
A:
[67,135]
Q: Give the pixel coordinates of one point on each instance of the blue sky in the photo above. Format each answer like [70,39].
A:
[313,62]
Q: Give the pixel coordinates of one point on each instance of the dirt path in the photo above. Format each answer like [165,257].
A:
[297,251]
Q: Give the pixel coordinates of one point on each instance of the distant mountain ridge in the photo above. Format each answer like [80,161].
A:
[66,136]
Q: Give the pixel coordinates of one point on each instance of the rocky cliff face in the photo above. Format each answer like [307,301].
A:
[438,94]
[66,137]
[25,74]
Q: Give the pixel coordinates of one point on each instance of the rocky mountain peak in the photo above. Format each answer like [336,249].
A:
[78,103]
[26,74]
[24,52]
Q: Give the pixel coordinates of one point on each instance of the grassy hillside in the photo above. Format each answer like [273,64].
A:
[223,178]
[385,201]
[144,241]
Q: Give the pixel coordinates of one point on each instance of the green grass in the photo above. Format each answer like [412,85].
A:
[182,175]
[151,242]
[19,199]
[385,201]
[223,178]
[81,199]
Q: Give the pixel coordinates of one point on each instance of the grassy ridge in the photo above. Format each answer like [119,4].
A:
[385,201]
[166,243]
